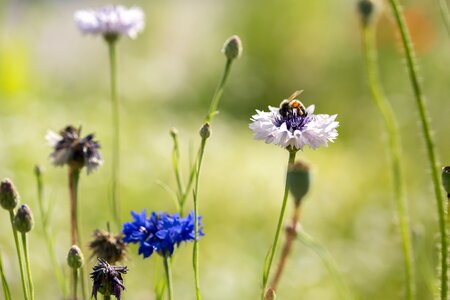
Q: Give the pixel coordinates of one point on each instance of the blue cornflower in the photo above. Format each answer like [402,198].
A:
[160,232]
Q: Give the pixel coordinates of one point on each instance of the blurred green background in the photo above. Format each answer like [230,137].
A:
[51,75]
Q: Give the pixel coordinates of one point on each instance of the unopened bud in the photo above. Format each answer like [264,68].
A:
[205,131]
[75,258]
[270,294]
[366,9]
[23,220]
[9,198]
[173,132]
[298,180]
[37,170]
[232,47]
[446,179]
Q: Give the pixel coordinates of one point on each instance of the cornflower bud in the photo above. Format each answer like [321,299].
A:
[298,180]
[23,220]
[205,131]
[75,258]
[9,197]
[232,47]
[446,179]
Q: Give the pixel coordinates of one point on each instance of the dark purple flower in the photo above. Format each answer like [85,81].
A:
[107,279]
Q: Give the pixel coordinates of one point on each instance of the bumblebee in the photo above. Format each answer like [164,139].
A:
[292,106]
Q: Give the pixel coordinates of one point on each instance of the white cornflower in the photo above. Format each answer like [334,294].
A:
[111,21]
[294,126]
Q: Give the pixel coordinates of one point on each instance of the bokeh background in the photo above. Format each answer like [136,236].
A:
[51,76]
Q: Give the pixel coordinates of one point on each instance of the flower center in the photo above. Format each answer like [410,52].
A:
[293,120]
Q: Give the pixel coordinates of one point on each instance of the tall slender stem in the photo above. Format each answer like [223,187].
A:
[385,109]
[115,180]
[27,263]
[445,13]
[426,129]
[5,285]
[196,244]
[168,272]
[219,91]
[273,249]
[74,176]
[291,234]
[106,297]
[19,255]
[75,283]
[48,239]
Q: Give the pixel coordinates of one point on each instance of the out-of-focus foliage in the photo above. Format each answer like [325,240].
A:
[51,75]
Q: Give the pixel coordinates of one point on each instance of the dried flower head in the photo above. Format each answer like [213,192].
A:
[107,279]
[160,232]
[72,150]
[293,126]
[111,21]
[107,246]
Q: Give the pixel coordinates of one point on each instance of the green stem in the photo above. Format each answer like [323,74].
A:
[74,176]
[426,129]
[273,249]
[27,263]
[196,244]
[177,170]
[107,297]
[48,240]
[168,272]
[75,283]
[19,255]
[445,14]
[5,285]
[386,111]
[115,205]
[328,261]
[218,93]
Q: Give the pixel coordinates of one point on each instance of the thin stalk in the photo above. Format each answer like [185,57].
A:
[5,285]
[115,202]
[445,13]
[390,122]
[195,259]
[19,255]
[328,261]
[177,170]
[218,93]
[74,176]
[48,240]
[291,234]
[431,151]
[107,297]
[27,263]
[168,272]
[273,249]
[75,283]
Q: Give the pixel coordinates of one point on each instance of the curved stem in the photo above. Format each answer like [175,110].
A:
[27,263]
[115,203]
[19,255]
[426,129]
[168,272]
[273,249]
[385,109]
[218,93]
[5,285]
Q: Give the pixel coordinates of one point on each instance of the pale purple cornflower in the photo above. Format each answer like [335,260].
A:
[294,126]
[111,20]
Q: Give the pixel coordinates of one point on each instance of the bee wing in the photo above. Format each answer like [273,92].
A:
[295,94]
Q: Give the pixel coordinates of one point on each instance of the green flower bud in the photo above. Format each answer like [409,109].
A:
[173,132]
[205,131]
[270,294]
[75,258]
[367,10]
[232,47]
[23,220]
[298,179]
[37,170]
[9,197]
[446,179]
